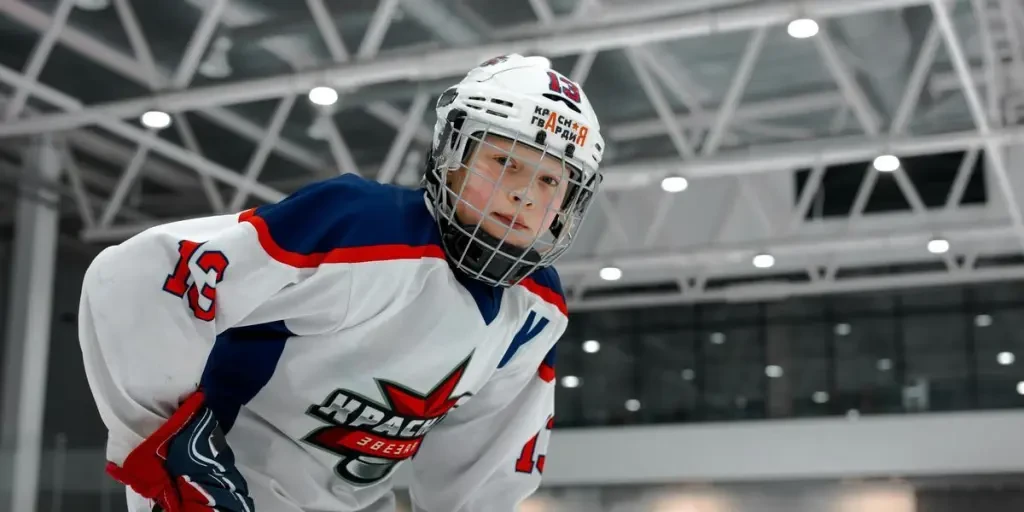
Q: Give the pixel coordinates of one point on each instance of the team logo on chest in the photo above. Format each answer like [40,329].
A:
[372,438]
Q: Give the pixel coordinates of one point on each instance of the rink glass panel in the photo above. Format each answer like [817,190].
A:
[886,352]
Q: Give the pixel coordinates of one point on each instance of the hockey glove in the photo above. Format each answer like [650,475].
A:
[186,465]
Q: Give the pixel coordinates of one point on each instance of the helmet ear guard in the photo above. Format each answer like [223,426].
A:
[446,139]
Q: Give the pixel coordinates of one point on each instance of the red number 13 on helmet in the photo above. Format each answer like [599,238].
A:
[564,86]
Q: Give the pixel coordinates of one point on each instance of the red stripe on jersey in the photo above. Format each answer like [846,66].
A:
[340,255]
[372,253]
[546,372]
[550,296]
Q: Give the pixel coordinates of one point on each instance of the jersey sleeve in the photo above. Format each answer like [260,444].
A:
[206,302]
[488,455]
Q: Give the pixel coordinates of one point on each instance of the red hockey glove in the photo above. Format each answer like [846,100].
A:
[186,465]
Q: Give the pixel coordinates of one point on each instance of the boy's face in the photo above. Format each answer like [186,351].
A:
[528,190]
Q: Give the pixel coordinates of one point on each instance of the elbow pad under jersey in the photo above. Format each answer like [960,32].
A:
[186,465]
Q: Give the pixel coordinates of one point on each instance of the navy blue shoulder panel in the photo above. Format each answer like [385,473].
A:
[548,278]
[349,212]
[241,363]
[353,213]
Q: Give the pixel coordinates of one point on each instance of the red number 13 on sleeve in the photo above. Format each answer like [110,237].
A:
[177,283]
[562,85]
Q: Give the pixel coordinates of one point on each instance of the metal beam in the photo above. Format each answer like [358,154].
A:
[991,62]
[375,32]
[400,146]
[259,157]
[138,135]
[915,84]
[445,23]
[643,67]
[74,174]
[800,155]
[733,96]
[40,54]
[10,172]
[782,106]
[735,92]
[993,150]
[860,200]
[368,48]
[807,195]
[339,148]
[904,113]
[581,69]
[661,105]
[197,45]
[28,329]
[122,232]
[594,13]
[768,158]
[244,15]
[124,185]
[137,40]
[776,130]
[778,291]
[449,62]
[188,138]
[963,177]
[844,78]
[328,30]
[395,118]
[675,77]
[542,10]
[797,248]
[124,65]
[107,149]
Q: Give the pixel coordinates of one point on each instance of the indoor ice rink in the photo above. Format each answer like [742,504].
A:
[798,290]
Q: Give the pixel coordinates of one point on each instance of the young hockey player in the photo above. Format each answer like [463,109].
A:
[290,357]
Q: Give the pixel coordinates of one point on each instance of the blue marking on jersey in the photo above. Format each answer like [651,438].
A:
[527,332]
[549,360]
[347,212]
[487,298]
[350,211]
[242,361]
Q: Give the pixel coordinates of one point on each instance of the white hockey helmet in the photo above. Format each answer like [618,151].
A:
[523,101]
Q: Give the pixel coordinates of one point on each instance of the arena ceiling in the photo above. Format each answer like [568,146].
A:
[776,136]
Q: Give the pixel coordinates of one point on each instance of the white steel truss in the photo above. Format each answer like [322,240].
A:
[140,71]
[451,62]
[751,213]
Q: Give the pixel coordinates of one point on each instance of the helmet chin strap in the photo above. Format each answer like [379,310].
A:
[494,260]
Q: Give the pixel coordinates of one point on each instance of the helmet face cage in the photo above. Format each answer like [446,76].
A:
[483,156]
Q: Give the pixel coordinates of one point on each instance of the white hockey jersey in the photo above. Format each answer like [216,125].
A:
[333,342]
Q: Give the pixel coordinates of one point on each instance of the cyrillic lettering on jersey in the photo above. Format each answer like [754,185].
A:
[531,328]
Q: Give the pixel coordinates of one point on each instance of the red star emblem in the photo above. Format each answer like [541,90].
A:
[438,401]
[371,448]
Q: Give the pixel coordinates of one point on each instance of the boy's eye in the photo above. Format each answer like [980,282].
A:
[551,180]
